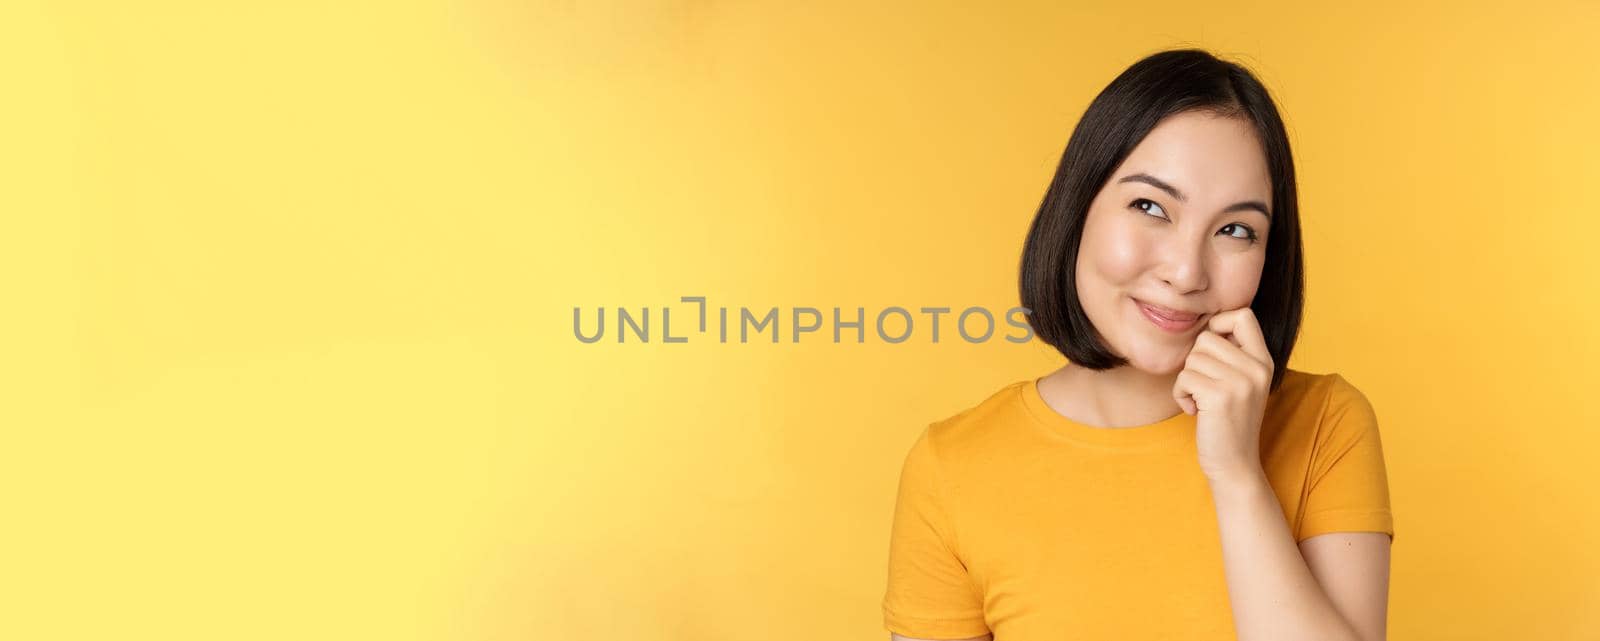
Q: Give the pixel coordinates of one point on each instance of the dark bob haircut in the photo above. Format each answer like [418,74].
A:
[1161,85]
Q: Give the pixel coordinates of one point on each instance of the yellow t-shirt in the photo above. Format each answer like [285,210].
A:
[1016,520]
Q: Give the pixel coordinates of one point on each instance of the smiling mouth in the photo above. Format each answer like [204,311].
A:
[1167,319]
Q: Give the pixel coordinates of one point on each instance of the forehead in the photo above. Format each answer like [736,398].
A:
[1209,158]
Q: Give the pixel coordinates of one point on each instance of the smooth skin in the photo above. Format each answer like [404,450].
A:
[1169,229]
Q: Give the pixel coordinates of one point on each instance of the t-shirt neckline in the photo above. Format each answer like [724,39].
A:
[1132,437]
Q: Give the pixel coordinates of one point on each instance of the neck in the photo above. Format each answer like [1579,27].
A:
[1118,397]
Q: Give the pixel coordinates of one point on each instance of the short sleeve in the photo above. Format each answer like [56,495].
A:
[930,594]
[1349,484]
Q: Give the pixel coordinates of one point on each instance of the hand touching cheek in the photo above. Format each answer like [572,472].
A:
[1224,382]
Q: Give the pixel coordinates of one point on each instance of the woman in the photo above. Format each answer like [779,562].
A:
[1174,480]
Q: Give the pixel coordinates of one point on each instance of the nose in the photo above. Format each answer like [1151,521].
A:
[1183,265]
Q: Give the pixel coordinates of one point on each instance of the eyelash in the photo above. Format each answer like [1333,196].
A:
[1252,237]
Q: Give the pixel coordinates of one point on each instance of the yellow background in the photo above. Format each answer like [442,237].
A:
[288,290]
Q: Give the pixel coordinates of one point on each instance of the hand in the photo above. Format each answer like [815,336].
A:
[1225,382]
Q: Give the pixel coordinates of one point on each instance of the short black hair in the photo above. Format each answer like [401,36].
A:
[1158,86]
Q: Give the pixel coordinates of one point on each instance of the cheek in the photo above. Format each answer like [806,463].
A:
[1236,283]
[1115,256]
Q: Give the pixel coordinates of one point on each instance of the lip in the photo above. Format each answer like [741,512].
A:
[1168,319]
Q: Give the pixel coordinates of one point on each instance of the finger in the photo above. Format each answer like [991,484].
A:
[1181,394]
[1188,389]
[1212,367]
[1242,329]
[1189,406]
[1213,344]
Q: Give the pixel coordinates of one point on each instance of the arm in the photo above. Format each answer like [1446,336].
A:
[1334,586]
[1273,592]
[929,593]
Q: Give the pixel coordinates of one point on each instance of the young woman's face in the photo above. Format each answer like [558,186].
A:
[1198,251]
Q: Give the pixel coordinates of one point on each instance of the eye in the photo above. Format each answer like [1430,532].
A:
[1145,205]
[1249,234]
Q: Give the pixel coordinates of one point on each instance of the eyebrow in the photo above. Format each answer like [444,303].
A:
[1173,191]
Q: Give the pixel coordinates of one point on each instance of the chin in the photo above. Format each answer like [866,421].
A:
[1157,359]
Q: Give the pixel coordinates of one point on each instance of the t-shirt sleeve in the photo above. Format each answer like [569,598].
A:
[1349,486]
[930,595]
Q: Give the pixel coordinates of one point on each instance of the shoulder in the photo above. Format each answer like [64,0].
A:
[1331,391]
[1311,403]
[1325,405]
[1339,396]
[979,422]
